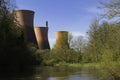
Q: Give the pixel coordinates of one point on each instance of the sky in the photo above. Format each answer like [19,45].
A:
[74,16]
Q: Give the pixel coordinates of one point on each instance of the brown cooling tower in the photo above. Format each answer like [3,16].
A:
[42,37]
[25,20]
[61,40]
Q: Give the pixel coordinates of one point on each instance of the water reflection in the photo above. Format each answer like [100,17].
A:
[52,73]
[72,77]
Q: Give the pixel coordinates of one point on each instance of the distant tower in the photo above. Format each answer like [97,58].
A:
[42,37]
[61,40]
[46,23]
[25,20]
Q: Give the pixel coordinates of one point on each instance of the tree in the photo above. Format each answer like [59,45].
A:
[92,48]
[70,38]
[10,33]
[103,39]
[111,8]
[78,43]
[14,53]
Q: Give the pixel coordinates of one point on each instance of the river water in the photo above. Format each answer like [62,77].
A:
[53,73]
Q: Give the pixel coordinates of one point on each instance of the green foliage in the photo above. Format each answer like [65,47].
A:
[54,57]
[103,40]
[15,55]
[103,44]
[44,56]
[67,55]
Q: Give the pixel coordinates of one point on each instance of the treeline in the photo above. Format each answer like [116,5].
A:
[104,37]
[103,42]
[15,54]
[61,56]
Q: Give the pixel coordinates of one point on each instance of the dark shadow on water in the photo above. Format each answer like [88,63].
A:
[16,72]
[44,73]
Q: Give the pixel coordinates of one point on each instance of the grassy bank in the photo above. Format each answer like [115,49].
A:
[103,70]
[80,65]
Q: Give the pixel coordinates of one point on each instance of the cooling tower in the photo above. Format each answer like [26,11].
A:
[25,20]
[61,40]
[42,37]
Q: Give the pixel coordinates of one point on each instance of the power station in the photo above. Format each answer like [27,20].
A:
[61,40]
[25,18]
[38,35]
[42,37]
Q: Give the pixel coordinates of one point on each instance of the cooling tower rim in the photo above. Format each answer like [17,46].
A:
[61,31]
[40,27]
[23,10]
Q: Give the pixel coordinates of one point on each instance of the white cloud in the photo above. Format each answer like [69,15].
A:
[77,33]
[94,10]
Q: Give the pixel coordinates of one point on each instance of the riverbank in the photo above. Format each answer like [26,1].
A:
[103,70]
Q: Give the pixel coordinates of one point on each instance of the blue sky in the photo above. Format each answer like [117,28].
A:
[74,16]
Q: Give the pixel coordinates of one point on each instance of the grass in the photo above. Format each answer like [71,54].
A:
[80,65]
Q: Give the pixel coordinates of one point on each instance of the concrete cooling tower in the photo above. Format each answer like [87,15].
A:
[42,37]
[25,20]
[61,40]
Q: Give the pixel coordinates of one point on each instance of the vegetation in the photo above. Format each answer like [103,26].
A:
[111,8]
[60,56]
[101,50]
[15,55]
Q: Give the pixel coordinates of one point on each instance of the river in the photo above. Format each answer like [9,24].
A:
[53,73]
